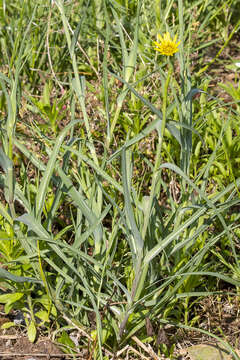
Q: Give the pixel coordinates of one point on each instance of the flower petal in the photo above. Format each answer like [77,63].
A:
[167,46]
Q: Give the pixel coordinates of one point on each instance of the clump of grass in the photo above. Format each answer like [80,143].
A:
[85,239]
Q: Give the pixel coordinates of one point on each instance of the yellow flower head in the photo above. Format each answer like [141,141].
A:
[167,46]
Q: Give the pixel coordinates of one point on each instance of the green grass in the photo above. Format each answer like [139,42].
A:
[119,187]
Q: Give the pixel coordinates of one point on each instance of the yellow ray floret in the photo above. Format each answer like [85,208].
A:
[167,46]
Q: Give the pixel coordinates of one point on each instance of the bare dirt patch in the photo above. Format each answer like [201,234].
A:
[18,347]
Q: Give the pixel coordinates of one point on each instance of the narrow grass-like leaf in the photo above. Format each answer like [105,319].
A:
[42,191]
[209,202]
[34,225]
[83,206]
[75,38]
[137,245]
[173,235]
[103,174]
[144,100]
[4,274]
[105,71]
[30,156]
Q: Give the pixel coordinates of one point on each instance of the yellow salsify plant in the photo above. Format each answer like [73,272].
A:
[166,47]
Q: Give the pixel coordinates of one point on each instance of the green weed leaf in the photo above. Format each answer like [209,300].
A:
[32,332]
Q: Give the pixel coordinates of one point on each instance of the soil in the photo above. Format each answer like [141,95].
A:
[14,344]
[18,347]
